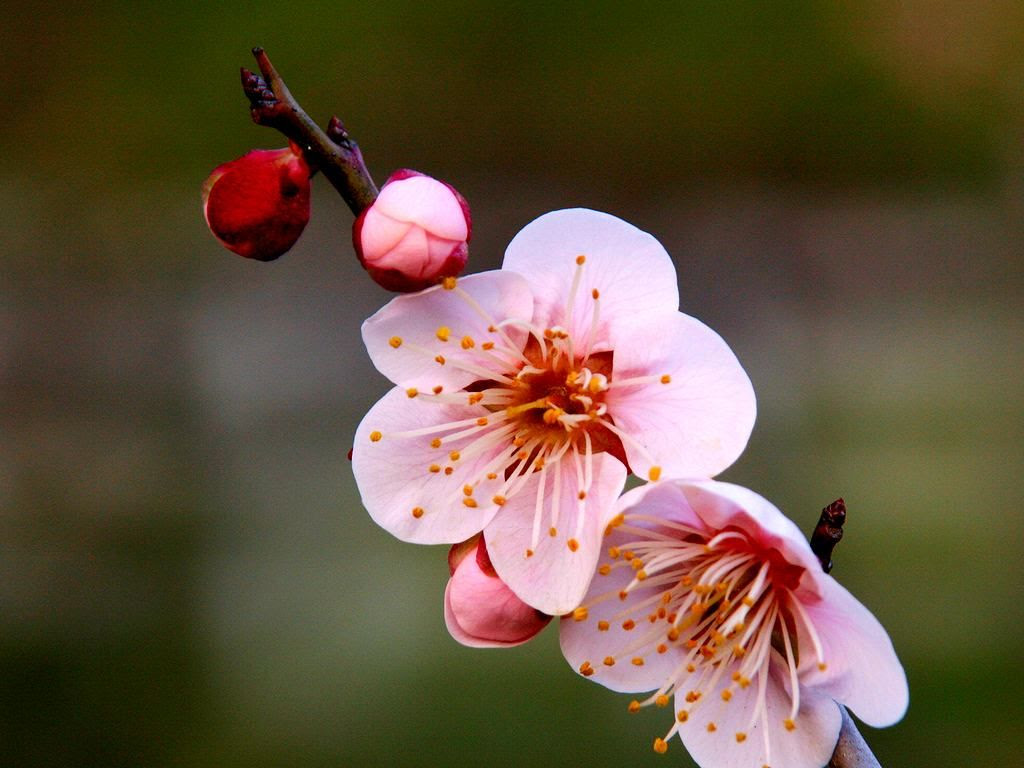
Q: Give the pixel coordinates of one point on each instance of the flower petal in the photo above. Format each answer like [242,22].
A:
[403,339]
[862,669]
[425,202]
[628,267]
[699,422]
[394,477]
[809,745]
[480,611]
[555,578]
[721,505]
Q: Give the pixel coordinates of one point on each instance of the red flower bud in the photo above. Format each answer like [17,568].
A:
[479,608]
[414,234]
[258,205]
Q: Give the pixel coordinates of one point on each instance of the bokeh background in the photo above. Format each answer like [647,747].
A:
[186,575]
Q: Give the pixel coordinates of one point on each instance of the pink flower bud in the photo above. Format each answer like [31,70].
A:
[415,233]
[258,205]
[479,609]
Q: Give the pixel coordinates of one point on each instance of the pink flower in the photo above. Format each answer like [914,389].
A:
[523,393]
[712,597]
[479,609]
[258,204]
[415,233]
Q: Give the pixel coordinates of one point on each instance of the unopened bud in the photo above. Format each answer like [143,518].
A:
[414,234]
[258,205]
[479,609]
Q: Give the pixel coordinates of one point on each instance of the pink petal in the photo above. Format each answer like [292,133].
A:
[410,253]
[555,578]
[698,423]
[425,202]
[630,269]
[480,611]
[863,671]
[721,505]
[380,233]
[394,478]
[412,322]
[809,745]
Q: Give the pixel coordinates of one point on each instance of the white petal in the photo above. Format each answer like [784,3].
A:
[402,339]
[394,478]
[697,424]
[628,267]
[555,578]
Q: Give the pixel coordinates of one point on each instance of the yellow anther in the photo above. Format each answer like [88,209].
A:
[739,650]
[595,293]
[475,397]
[467,342]
[682,715]
[467,490]
[628,554]
[417,512]
[439,360]
[581,495]
[691,667]
[712,727]
[580,614]
[634,706]
[449,283]
[551,415]
[741,737]
[580,259]
[482,421]
[605,569]
[654,474]
[637,661]
[748,601]
[637,563]
[395,341]
[449,470]
[444,333]
[573,545]
[660,746]
[491,329]
[666,379]
[609,661]
[726,695]
[435,443]
[469,502]
[623,594]
[585,669]
[488,345]
[640,576]
[435,468]
[692,696]
[411,392]
[454,455]
[662,648]
[438,389]
[661,701]
[790,725]
[492,476]
[628,624]
[613,552]
[499,500]
[822,666]
[603,626]
[594,386]
[529,553]
[375,436]
[673,635]
[552,531]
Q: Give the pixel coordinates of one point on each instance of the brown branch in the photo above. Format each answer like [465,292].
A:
[333,152]
[852,751]
[828,532]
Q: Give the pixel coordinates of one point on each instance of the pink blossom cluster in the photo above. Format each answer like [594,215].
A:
[523,398]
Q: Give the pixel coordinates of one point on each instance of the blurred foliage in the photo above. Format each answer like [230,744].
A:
[186,574]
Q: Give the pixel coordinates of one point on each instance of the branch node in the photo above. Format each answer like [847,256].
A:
[828,532]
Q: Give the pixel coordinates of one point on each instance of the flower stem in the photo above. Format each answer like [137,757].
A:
[333,152]
[851,750]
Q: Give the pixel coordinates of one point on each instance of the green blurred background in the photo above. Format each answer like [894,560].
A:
[186,575]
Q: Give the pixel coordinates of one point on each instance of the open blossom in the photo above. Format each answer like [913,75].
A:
[523,393]
[712,599]
[479,609]
[415,233]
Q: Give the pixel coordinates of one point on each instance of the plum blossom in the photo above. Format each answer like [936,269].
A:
[523,394]
[479,609]
[415,233]
[712,598]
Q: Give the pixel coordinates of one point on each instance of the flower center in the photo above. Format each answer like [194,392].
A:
[722,607]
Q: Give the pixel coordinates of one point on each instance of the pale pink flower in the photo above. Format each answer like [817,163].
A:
[414,234]
[710,596]
[479,609]
[523,392]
